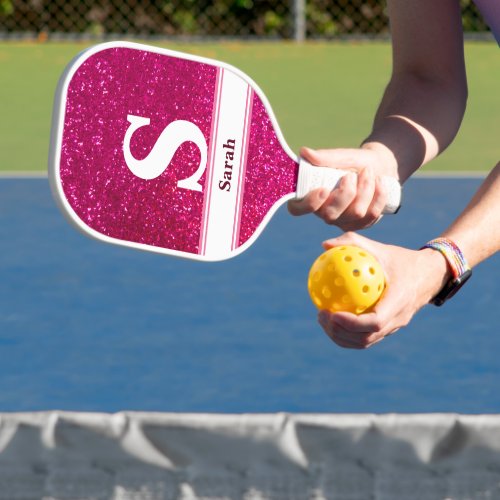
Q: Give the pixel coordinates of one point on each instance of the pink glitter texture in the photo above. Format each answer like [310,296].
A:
[101,189]
[271,174]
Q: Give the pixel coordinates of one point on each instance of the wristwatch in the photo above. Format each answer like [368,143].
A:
[459,267]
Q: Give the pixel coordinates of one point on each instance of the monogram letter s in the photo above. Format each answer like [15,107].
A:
[160,156]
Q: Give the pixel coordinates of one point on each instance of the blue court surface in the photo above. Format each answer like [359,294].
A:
[86,326]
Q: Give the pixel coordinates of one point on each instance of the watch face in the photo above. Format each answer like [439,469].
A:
[451,288]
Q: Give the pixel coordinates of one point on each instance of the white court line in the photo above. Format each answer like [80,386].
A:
[453,174]
[23,175]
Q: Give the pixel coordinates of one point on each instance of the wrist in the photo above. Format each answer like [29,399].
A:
[437,273]
[388,165]
[458,268]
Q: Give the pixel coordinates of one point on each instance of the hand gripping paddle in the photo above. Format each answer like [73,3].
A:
[172,153]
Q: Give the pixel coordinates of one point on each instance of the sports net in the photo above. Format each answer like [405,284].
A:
[160,456]
[216,18]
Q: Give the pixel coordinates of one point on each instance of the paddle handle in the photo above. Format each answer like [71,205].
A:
[313,177]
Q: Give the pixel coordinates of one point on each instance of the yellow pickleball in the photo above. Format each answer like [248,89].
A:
[346,278]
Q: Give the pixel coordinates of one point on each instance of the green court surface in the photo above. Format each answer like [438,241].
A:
[323,94]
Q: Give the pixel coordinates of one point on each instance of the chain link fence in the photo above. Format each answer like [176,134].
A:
[283,19]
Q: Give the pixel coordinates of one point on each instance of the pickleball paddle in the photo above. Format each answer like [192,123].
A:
[172,153]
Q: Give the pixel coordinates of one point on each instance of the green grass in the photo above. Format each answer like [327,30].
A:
[323,94]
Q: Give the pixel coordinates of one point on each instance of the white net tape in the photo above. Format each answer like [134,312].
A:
[155,456]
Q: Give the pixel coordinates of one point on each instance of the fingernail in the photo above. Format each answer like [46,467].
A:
[306,150]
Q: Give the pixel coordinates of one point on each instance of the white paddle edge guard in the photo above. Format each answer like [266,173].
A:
[313,177]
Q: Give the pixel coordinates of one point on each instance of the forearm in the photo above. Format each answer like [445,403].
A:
[416,121]
[424,103]
[477,230]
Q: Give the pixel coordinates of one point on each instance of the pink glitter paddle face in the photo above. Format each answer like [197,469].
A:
[166,152]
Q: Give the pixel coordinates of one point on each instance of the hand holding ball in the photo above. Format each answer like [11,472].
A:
[346,278]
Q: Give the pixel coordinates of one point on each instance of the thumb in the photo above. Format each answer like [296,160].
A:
[348,238]
[336,158]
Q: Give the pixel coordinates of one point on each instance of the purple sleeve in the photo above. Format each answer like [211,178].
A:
[490,9]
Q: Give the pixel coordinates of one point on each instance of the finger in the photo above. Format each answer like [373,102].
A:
[345,344]
[394,310]
[357,225]
[379,200]
[354,340]
[361,340]
[356,215]
[365,324]
[374,211]
[340,335]
[334,327]
[341,340]
[379,250]
[364,195]
[339,199]
[354,159]
[374,341]
[348,238]
[382,321]
[310,203]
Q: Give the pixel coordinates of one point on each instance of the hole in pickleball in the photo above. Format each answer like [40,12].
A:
[317,276]
[348,258]
[356,273]
[363,254]
[366,289]
[327,293]
[372,270]
[339,281]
